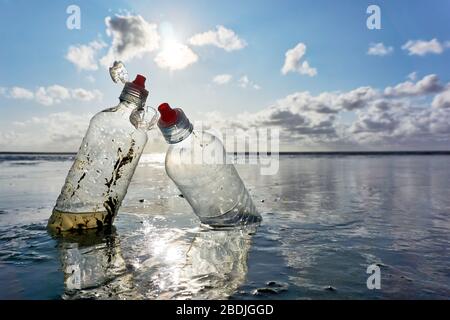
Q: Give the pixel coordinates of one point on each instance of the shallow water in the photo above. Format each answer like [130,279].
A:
[325,219]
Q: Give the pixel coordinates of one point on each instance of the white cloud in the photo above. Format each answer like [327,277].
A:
[84,57]
[412,76]
[21,93]
[403,124]
[304,101]
[403,120]
[357,98]
[245,82]
[379,49]
[421,47]
[221,37]
[86,95]
[376,119]
[132,37]
[293,63]
[62,131]
[222,78]
[330,102]
[58,92]
[442,100]
[295,124]
[429,84]
[52,95]
[175,56]
[55,94]
[43,98]
[90,78]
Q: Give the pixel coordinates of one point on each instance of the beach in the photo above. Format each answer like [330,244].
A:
[326,218]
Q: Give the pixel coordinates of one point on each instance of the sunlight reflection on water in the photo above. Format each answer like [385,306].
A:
[325,219]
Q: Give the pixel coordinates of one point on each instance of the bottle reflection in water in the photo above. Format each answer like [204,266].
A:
[161,263]
[217,262]
[99,177]
[212,265]
[93,267]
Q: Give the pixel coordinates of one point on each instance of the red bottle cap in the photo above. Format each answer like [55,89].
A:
[140,81]
[135,92]
[168,115]
[174,124]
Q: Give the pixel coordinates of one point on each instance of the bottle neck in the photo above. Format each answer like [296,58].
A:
[128,105]
[134,95]
[176,134]
[178,131]
[186,140]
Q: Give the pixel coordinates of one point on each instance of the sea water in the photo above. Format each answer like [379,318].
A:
[326,218]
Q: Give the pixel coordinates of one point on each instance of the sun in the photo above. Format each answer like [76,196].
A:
[175,55]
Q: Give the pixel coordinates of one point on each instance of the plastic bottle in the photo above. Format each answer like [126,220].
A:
[99,177]
[196,162]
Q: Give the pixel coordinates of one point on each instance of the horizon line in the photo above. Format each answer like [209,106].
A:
[348,152]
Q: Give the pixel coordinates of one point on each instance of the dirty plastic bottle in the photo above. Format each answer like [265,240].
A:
[99,177]
[196,162]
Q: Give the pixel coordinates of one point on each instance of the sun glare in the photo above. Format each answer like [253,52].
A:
[175,55]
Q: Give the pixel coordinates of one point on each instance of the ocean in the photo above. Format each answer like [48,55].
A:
[326,219]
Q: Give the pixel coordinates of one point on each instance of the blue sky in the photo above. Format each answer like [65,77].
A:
[36,42]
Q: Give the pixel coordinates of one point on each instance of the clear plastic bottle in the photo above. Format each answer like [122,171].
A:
[196,162]
[99,177]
